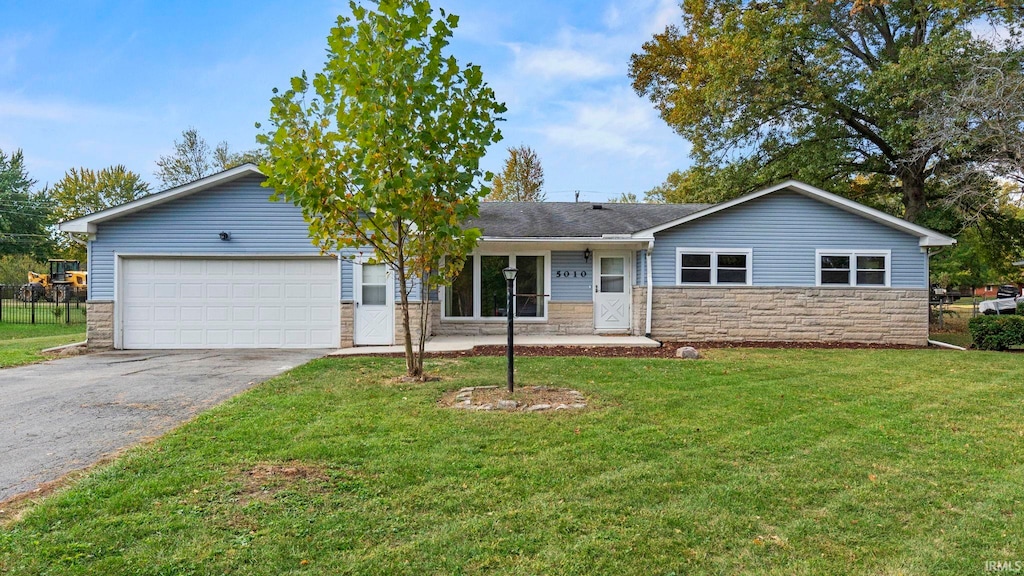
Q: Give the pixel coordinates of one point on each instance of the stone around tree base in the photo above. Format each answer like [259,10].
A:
[530,399]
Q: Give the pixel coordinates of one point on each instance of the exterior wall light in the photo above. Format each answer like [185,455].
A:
[587,254]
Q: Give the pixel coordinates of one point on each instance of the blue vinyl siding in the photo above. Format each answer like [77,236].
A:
[574,284]
[641,268]
[191,225]
[784,229]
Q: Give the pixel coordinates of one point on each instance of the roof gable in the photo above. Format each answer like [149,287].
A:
[926,236]
[88,222]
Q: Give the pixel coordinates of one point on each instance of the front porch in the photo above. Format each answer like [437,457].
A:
[466,343]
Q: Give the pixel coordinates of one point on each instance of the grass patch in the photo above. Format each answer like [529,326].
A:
[21,343]
[750,461]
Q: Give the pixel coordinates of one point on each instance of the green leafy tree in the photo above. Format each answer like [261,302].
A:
[14,268]
[83,191]
[826,92]
[25,215]
[521,179]
[381,149]
[194,159]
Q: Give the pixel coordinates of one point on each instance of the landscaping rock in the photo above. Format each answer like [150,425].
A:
[507,405]
[538,407]
[687,353]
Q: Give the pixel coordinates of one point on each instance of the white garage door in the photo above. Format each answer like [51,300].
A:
[229,303]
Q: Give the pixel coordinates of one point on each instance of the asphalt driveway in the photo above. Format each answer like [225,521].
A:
[63,415]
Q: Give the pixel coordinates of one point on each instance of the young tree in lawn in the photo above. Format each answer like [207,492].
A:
[381,150]
[521,179]
[83,191]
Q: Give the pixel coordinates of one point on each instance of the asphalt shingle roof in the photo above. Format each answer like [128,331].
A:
[573,219]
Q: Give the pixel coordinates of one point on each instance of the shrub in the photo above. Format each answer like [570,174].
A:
[997,332]
[1020,307]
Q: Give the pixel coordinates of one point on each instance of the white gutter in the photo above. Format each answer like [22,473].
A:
[650,288]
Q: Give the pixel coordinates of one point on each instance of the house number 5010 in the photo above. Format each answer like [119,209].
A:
[570,274]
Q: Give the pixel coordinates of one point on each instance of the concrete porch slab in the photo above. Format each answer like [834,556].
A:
[465,343]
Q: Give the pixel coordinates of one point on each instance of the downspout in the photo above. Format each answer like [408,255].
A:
[650,288]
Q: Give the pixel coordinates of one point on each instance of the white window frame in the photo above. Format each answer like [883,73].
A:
[852,254]
[512,254]
[714,253]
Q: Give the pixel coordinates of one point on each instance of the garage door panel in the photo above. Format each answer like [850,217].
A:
[270,313]
[165,313]
[229,303]
[165,268]
[243,268]
[218,291]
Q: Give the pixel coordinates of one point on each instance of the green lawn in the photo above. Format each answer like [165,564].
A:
[750,461]
[21,343]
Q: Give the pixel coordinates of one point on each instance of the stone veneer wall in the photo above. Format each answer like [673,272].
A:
[348,323]
[99,325]
[879,315]
[564,318]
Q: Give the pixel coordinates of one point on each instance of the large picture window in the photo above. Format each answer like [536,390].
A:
[853,268]
[479,291]
[713,267]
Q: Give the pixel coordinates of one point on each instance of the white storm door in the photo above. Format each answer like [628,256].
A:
[611,292]
[374,295]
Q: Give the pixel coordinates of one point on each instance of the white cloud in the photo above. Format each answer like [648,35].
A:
[10,46]
[619,123]
[612,17]
[561,63]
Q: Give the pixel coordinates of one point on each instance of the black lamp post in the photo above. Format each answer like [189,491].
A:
[510,279]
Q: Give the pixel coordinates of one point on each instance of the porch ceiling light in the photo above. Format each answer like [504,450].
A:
[509,273]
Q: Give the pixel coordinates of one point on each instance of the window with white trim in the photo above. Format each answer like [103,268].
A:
[713,266]
[853,268]
[479,291]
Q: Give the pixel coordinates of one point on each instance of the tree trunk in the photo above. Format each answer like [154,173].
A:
[914,201]
[424,321]
[410,360]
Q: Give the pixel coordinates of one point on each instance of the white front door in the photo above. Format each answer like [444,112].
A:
[611,292]
[374,297]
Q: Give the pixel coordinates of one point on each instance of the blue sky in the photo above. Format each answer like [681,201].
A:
[93,84]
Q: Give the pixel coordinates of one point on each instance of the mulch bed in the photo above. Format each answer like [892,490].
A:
[667,349]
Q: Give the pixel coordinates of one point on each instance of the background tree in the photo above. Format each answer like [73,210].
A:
[25,215]
[83,191]
[381,150]
[194,159]
[521,179]
[625,198]
[826,92]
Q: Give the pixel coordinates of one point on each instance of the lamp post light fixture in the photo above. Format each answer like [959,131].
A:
[510,279]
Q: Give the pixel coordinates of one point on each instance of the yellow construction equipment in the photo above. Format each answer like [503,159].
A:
[64,282]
